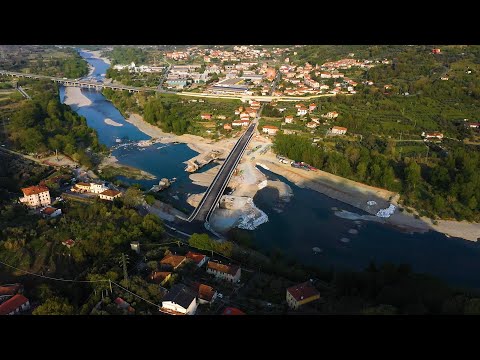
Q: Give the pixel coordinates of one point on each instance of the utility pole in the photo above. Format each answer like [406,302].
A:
[124,265]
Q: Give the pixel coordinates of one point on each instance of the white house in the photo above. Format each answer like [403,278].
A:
[36,196]
[289,119]
[206,294]
[432,135]
[110,194]
[312,125]
[302,111]
[330,115]
[97,188]
[339,130]
[230,273]
[50,211]
[270,130]
[180,300]
[197,258]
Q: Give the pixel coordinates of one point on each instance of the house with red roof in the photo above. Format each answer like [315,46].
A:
[110,194]
[301,294]
[206,116]
[68,243]
[302,111]
[197,258]
[270,129]
[338,130]
[172,261]
[230,273]
[15,305]
[50,211]
[205,293]
[36,196]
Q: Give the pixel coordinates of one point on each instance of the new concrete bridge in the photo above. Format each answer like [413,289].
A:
[214,192]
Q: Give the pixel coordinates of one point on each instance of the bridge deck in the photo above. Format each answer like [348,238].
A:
[220,182]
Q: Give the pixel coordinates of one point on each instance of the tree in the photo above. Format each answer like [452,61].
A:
[150,199]
[412,175]
[54,306]
[201,241]
[133,197]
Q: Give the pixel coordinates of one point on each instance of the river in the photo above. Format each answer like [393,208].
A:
[294,228]
[161,160]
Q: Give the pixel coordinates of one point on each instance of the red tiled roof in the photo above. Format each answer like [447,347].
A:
[270,127]
[195,257]
[173,260]
[49,210]
[339,128]
[119,301]
[68,242]
[34,190]
[232,311]
[12,304]
[10,289]
[110,192]
[206,292]
[303,291]
[227,269]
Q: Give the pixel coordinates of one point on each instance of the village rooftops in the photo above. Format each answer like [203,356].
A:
[110,192]
[32,190]
[12,304]
[303,291]
[83,184]
[227,269]
[270,127]
[339,128]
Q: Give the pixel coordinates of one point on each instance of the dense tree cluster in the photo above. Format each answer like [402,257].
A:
[44,124]
[448,187]
[126,55]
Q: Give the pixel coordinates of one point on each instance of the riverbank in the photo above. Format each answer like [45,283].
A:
[358,194]
[97,54]
[110,168]
[75,99]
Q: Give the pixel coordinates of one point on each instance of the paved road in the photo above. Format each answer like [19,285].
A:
[215,190]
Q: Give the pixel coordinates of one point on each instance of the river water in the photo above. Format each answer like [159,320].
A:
[294,228]
[161,160]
